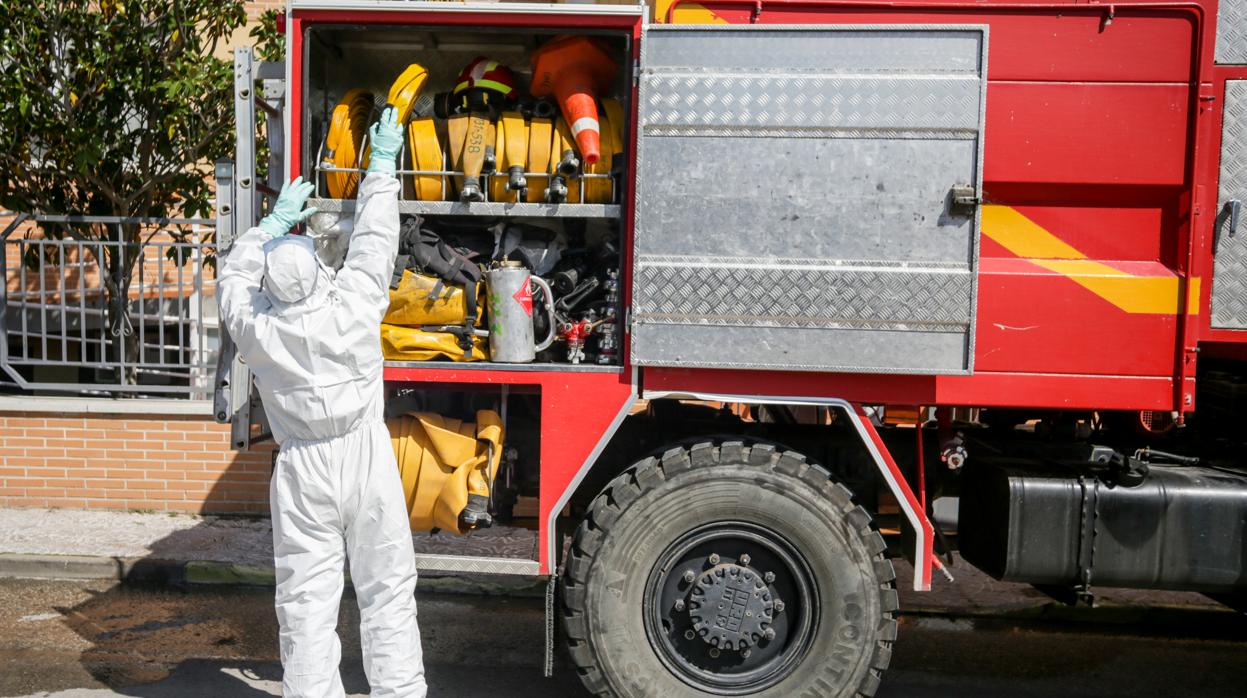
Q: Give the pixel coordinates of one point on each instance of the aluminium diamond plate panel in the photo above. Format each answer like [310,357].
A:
[802,295]
[1232,32]
[476,565]
[793,188]
[1229,276]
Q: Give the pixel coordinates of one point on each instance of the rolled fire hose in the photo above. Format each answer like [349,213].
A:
[511,148]
[426,154]
[347,127]
[498,182]
[406,90]
[564,165]
[456,136]
[540,136]
[614,112]
[601,191]
[480,133]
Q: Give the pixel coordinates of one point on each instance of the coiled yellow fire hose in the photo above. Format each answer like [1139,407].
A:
[426,154]
[406,90]
[540,135]
[347,126]
[511,149]
[601,191]
[562,142]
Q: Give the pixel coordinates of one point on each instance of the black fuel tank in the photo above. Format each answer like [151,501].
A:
[1183,528]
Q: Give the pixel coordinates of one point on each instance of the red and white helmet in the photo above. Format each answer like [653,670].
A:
[486,74]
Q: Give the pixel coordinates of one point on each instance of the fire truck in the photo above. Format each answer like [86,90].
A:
[851,280]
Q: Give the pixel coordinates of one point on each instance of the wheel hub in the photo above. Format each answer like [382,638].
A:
[731,607]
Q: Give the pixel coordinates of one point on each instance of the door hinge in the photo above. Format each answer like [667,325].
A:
[962,200]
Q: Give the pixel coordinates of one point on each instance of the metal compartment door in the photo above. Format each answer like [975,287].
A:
[1229,268]
[807,197]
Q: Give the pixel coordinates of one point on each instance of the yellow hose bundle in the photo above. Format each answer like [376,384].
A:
[406,90]
[400,343]
[442,461]
[540,136]
[456,136]
[563,141]
[426,154]
[511,150]
[601,191]
[347,127]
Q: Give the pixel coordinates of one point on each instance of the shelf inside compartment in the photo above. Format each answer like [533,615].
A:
[501,367]
[483,208]
[341,58]
[586,228]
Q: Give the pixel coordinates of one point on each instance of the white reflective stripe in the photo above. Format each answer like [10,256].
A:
[583,123]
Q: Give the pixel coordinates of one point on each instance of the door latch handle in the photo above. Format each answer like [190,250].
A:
[1227,220]
[1232,208]
[962,200]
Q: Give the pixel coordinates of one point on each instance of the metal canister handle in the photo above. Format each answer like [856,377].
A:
[553,329]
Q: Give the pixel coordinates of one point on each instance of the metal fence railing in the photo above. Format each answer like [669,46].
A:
[104,305]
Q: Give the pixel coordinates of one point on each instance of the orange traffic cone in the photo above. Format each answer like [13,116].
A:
[576,69]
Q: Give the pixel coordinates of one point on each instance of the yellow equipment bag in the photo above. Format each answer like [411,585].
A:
[427,300]
[447,466]
[347,126]
[400,343]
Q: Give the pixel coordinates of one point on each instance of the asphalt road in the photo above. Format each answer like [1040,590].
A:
[75,639]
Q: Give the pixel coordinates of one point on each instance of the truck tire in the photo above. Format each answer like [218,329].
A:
[728,569]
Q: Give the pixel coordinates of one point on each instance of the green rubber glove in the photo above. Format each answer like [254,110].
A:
[386,139]
[288,211]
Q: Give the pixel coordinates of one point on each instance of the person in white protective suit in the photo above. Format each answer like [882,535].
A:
[312,340]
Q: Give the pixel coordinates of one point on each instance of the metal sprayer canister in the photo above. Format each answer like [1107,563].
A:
[511,332]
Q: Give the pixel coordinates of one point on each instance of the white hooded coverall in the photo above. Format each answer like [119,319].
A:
[312,342]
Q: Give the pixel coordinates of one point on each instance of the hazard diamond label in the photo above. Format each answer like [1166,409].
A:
[524,297]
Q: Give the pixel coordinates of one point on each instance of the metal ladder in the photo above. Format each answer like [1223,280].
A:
[238,206]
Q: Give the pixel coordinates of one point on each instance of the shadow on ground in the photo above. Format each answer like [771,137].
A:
[150,641]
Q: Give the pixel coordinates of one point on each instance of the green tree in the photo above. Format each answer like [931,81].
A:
[118,108]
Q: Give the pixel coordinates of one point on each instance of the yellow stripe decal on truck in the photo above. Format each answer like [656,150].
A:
[1148,295]
[691,13]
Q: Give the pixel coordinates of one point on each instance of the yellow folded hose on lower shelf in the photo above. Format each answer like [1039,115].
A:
[447,467]
[345,137]
[400,343]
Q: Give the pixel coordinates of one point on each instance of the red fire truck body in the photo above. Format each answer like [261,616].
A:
[1104,277]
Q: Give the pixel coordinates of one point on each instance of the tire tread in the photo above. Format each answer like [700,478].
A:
[650,473]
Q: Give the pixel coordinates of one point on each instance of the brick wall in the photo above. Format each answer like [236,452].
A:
[128,461]
[255,8]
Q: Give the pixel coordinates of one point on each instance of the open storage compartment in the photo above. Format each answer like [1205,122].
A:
[573,242]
